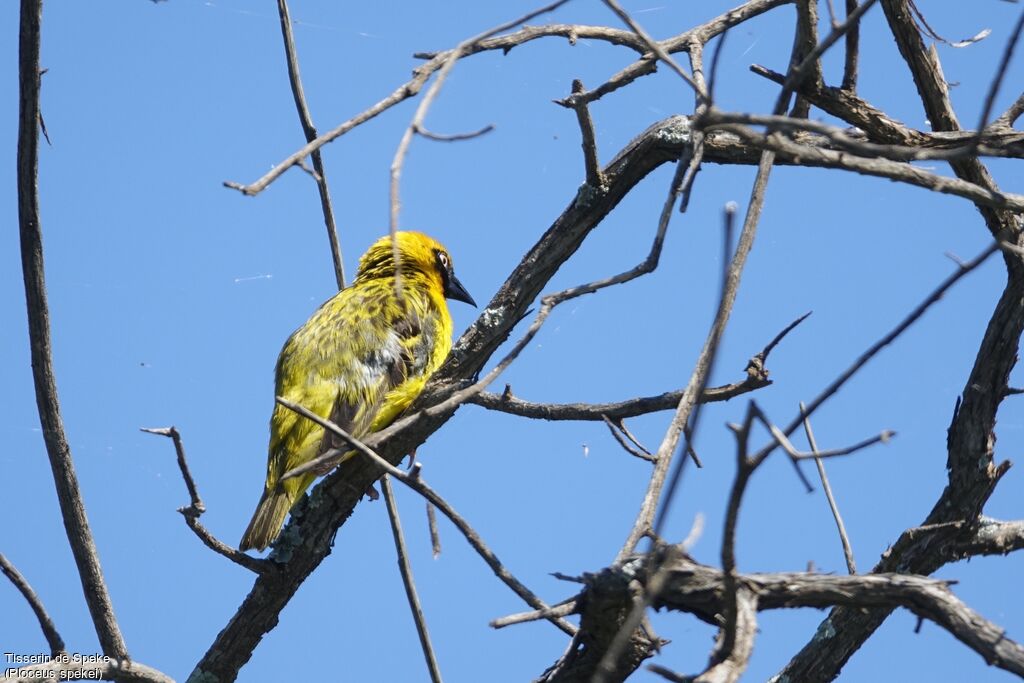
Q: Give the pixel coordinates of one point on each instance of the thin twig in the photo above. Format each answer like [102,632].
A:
[780,438]
[435,536]
[411,88]
[745,467]
[851,565]
[852,51]
[1012,113]
[697,35]
[398,162]
[550,301]
[453,137]
[306,119]
[428,99]
[253,564]
[646,520]
[715,57]
[804,42]
[196,508]
[796,76]
[1004,64]
[614,429]
[714,338]
[179,448]
[669,674]
[621,424]
[410,585]
[417,484]
[693,156]
[591,165]
[53,638]
[655,47]
[69,496]
[562,609]
[926,28]
[887,339]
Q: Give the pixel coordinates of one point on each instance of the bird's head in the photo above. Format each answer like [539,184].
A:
[419,254]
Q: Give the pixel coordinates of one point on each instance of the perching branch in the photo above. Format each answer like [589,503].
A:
[416,483]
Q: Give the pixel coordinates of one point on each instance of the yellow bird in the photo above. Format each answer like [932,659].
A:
[359,361]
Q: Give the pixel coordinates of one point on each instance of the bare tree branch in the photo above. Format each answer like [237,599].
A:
[590,161]
[912,175]
[851,565]
[653,498]
[53,638]
[428,99]
[852,51]
[66,668]
[972,473]
[656,48]
[624,442]
[435,536]
[196,508]
[306,119]
[179,449]
[416,483]
[757,378]
[992,537]
[698,35]
[698,589]
[728,665]
[562,609]
[69,497]
[997,81]
[407,579]
[453,137]
[875,348]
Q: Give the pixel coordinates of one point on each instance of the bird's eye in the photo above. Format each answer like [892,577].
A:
[442,258]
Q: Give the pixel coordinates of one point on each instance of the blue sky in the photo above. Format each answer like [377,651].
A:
[171,296]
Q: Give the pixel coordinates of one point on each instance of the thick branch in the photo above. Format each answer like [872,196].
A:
[698,589]
[972,472]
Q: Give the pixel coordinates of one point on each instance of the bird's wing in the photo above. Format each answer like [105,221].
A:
[343,364]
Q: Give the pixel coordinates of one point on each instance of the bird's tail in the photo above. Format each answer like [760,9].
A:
[268,520]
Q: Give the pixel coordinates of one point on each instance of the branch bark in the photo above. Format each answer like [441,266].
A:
[973,474]
[76,523]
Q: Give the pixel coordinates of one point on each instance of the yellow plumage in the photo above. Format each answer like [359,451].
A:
[359,361]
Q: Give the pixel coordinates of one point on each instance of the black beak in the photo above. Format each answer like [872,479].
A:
[453,289]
